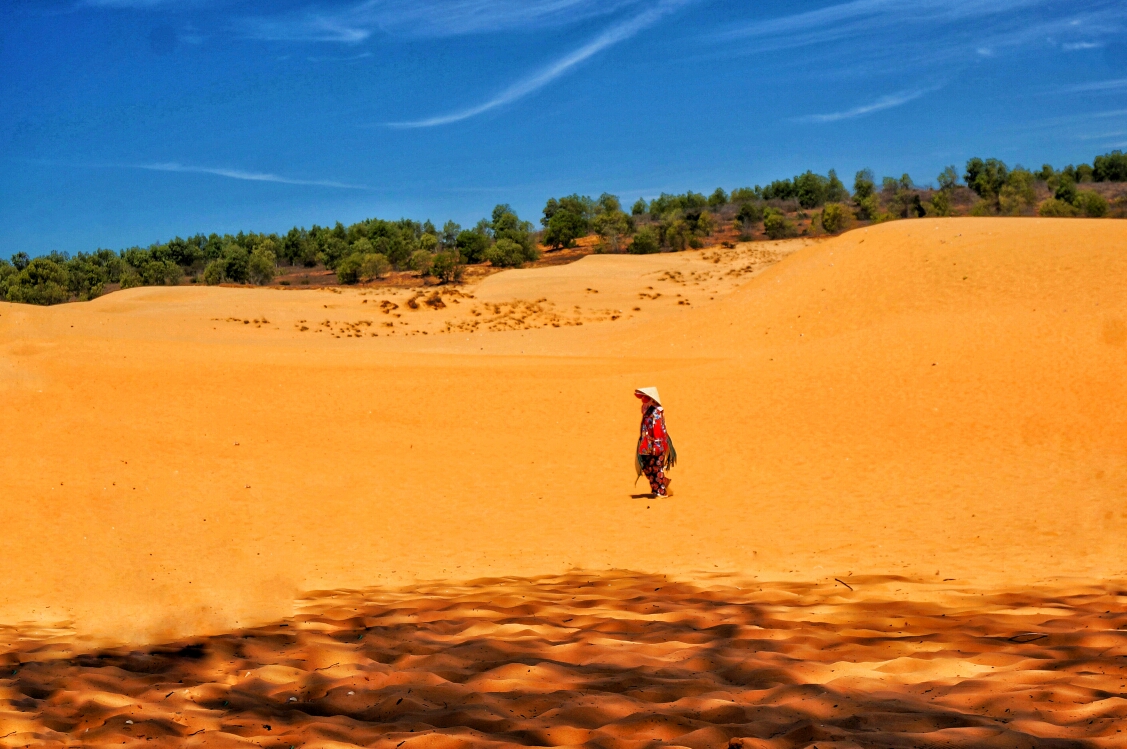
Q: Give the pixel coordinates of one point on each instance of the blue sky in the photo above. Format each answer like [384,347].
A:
[127,122]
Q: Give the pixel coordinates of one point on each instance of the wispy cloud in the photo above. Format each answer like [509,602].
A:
[241,175]
[930,31]
[1080,88]
[345,58]
[614,35]
[426,18]
[889,101]
[861,17]
[1081,45]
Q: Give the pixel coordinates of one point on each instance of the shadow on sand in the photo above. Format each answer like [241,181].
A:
[609,660]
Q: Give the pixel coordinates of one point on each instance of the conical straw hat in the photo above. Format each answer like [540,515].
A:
[651,392]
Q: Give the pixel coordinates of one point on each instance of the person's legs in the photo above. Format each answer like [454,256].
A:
[652,466]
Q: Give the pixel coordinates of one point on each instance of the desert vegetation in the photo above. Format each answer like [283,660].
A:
[808,204]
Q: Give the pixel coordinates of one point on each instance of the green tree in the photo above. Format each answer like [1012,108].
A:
[7,271]
[86,276]
[21,260]
[236,264]
[298,249]
[1085,173]
[718,198]
[213,272]
[612,227]
[677,233]
[421,262]
[608,203]
[810,189]
[640,208]
[780,189]
[1066,189]
[507,225]
[348,269]
[428,243]
[1056,208]
[505,253]
[940,204]
[1091,203]
[664,204]
[566,220]
[472,245]
[863,185]
[1110,167]
[1018,193]
[261,265]
[447,266]
[948,179]
[645,243]
[750,214]
[835,190]
[744,195]
[41,281]
[449,237]
[564,228]
[986,178]
[374,265]
[333,250]
[692,201]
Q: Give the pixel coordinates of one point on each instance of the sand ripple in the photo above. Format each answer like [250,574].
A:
[612,660]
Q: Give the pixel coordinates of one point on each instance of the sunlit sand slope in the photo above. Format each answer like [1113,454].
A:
[938,399]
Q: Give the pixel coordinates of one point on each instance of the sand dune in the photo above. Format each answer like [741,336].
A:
[939,399]
[942,401]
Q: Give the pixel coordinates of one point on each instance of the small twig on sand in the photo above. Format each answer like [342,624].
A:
[1031,635]
[844,583]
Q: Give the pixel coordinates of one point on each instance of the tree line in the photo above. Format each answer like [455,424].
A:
[373,248]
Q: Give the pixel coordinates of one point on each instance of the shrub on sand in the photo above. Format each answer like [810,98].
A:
[835,218]
[447,266]
[645,243]
[983,207]
[1053,208]
[505,254]
[1091,204]
[776,226]
[940,204]
[348,269]
[260,268]
[421,262]
[374,265]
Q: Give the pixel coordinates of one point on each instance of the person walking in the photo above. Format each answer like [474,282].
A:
[655,454]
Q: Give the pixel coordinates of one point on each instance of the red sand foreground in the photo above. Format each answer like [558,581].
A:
[899,515]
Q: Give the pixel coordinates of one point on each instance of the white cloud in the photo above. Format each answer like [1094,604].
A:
[889,101]
[1079,88]
[1081,45]
[427,18]
[241,175]
[614,35]
[935,31]
[866,16]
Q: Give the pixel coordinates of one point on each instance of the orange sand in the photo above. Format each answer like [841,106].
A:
[614,661]
[939,399]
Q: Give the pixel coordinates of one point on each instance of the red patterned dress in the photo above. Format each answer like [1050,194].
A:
[652,448]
